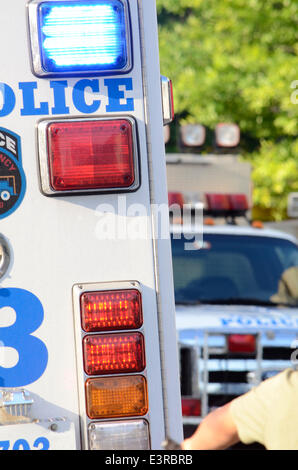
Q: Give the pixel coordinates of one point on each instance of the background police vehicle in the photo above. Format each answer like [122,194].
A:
[87,317]
[236,291]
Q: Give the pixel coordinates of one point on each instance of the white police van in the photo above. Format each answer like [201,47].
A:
[236,291]
[87,317]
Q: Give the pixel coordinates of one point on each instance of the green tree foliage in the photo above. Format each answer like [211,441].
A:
[235,61]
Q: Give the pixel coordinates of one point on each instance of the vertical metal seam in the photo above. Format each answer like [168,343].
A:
[154,233]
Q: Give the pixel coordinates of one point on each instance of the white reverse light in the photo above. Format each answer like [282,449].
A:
[119,435]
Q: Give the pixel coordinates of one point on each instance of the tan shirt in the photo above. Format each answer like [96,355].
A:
[268,414]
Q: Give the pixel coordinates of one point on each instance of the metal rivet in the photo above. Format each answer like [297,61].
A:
[4,256]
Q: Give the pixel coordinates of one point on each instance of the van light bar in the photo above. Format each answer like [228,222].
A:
[120,435]
[238,202]
[218,202]
[111,310]
[226,203]
[79,37]
[114,354]
[116,397]
[88,155]
[212,204]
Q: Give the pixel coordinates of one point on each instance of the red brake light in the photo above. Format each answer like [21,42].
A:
[191,407]
[218,202]
[114,354]
[111,310]
[91,154]
[241,343]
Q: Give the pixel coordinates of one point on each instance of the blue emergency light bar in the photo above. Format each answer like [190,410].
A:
[80,37]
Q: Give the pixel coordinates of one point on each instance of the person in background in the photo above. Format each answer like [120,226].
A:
[287,287]
[268,414]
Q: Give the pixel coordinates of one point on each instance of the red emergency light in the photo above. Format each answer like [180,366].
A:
[238,202]
[191,407]
[218,202]
[242,344]
[176,198]
[114,353]
[90,155]
[111,310]
[226,204]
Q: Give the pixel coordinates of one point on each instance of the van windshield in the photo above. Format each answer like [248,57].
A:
[236,269]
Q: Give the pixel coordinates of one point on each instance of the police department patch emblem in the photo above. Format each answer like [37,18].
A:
[12,177]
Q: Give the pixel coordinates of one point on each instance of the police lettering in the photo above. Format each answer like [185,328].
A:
[86,97]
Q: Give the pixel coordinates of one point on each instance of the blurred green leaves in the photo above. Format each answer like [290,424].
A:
[234,61]
[275,175]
